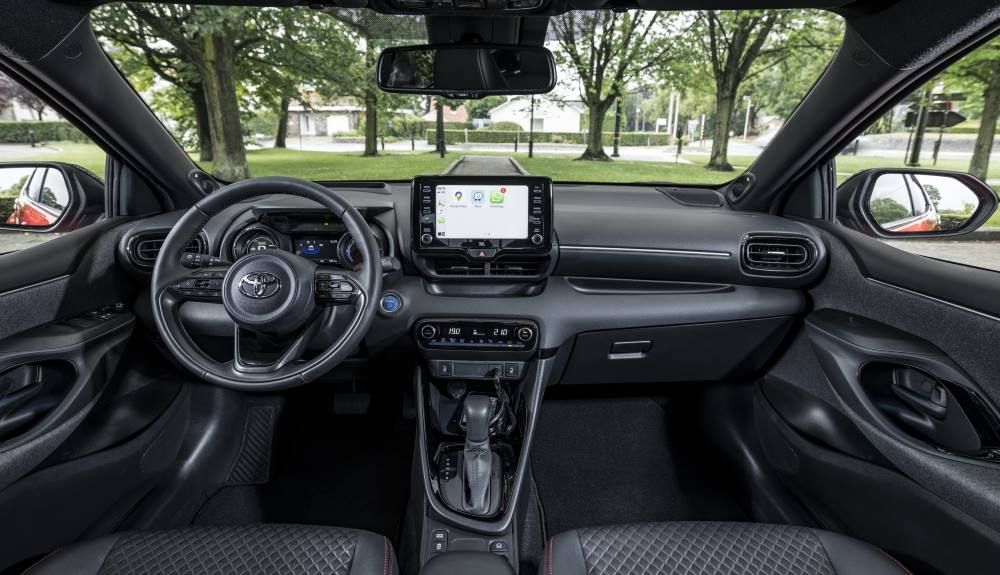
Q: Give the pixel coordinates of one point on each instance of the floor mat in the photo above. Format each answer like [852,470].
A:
[343,470]
[618,460]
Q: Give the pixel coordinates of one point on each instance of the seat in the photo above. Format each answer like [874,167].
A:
[712,548]
[248,550]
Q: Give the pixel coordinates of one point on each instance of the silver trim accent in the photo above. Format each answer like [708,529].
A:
[932,298]
[660,251]
[35,285]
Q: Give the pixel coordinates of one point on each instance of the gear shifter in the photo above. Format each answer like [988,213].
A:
[478,458]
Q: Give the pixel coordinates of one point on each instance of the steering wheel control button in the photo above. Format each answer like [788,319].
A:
[390,303]
[525,334]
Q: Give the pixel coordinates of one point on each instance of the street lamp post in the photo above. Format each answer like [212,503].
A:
[531,130]
[746,123]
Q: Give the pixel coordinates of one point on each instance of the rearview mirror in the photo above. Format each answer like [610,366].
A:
[48,196]
[915,202]
[466,71]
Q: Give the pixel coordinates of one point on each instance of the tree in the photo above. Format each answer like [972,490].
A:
[733,41]
[979,72]
[11,91]
[608,50]
[375,29]
[224,59]
[480,109]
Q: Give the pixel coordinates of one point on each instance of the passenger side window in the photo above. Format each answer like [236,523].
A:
[950,123]
[48,172]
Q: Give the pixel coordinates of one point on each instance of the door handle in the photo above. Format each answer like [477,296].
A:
[926,407]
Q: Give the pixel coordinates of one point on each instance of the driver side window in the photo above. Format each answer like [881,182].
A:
[48,172]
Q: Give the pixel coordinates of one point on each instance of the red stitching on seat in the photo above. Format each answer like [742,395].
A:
[385,555]
[552,541]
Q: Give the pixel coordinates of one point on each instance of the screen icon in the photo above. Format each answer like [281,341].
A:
[496,197]
[458,196]
[478,197]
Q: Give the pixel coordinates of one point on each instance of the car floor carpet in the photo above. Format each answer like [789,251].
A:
[328,469]
[621,460]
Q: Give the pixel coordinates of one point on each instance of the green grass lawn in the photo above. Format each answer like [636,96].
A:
[402,166]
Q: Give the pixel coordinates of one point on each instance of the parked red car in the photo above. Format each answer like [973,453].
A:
[43,199]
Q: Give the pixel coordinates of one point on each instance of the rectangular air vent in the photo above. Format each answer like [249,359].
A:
[516,268]
[146,247]
[779,255]
[458,267]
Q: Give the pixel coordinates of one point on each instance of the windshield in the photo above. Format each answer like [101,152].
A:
[684,97]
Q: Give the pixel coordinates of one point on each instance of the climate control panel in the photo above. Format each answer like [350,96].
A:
[487,335]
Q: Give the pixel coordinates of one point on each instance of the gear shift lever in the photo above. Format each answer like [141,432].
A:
[477,455]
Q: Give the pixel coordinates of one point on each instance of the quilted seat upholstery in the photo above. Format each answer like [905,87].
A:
[249,549]
[712,548]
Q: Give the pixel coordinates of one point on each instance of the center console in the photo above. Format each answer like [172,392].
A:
[481,378]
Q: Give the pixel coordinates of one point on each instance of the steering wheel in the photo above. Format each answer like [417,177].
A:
[282,304]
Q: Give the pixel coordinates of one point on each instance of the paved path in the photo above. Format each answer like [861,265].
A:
[485,166]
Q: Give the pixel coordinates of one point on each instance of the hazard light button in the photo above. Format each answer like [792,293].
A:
[482,253]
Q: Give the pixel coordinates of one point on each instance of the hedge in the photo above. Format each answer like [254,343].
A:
[26,132]
[507,137]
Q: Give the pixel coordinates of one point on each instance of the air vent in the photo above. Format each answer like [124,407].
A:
[516,268]
[146,247]
[778,255]
[458,267]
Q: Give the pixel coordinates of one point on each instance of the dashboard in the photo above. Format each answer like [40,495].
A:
[610,258]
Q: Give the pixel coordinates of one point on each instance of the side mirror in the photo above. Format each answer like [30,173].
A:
[905,202]
[48,196]
[466,71]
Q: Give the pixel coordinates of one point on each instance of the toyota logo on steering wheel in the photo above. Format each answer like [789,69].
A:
[259,285]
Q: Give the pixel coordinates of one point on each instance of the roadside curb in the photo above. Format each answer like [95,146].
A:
[454,166]
[520,169]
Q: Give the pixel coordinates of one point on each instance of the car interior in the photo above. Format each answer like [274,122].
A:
[495,372]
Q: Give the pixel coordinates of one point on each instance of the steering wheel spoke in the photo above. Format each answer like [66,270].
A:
[204,284]
[256,352]
[337,287]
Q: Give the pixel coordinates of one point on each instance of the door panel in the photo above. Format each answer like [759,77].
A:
[916,376]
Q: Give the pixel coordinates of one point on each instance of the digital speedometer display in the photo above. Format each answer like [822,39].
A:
[321,250]
[260,243]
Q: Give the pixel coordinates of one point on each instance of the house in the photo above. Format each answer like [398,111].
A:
[324,119]
[458,115]
[550,115]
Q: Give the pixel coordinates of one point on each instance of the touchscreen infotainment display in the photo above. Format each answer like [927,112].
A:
[482,217]
[488,211]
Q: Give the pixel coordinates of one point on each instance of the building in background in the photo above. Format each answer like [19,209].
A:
[550,116]
[324,119]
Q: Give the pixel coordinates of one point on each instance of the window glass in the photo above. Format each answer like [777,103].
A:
[33,199]
[301,99]
[950,123]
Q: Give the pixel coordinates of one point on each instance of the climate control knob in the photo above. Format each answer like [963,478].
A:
[428,331]
[426,239]
[525,333]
